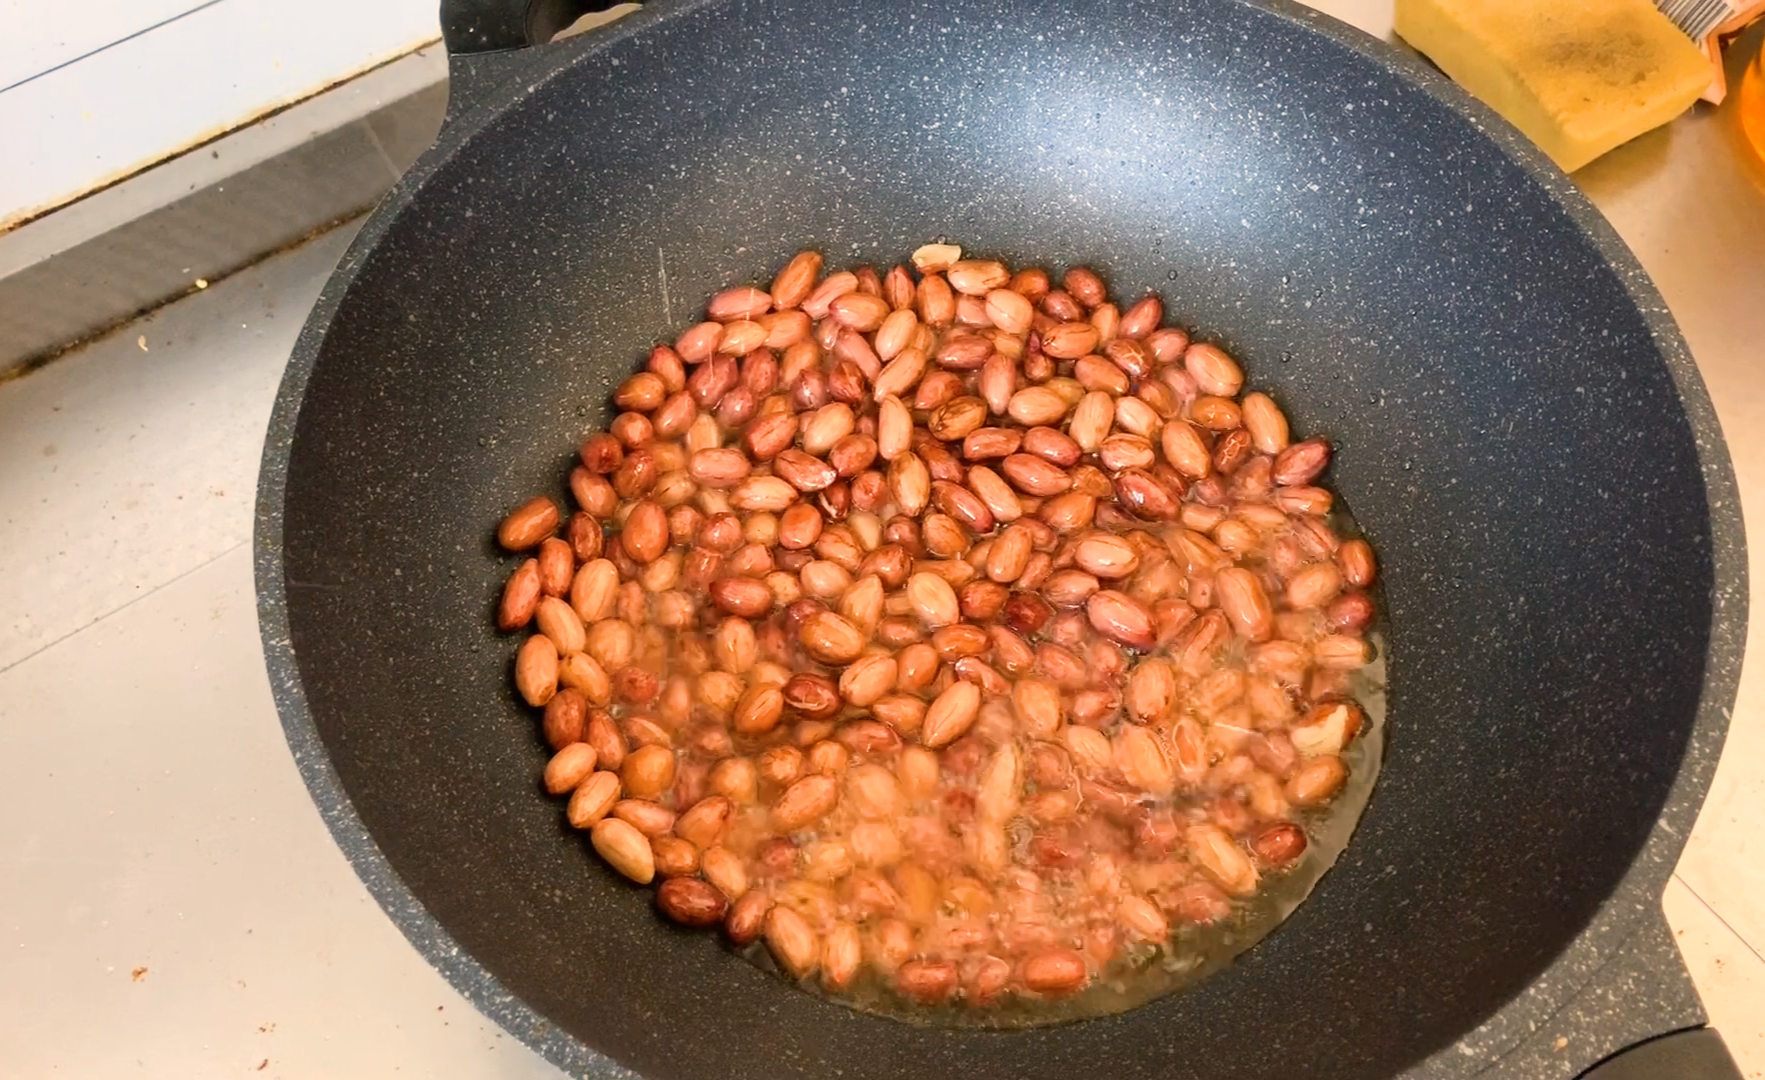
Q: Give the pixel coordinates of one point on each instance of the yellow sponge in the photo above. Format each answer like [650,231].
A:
[1577,76]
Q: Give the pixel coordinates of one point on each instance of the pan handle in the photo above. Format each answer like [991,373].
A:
[476,26]
[1695,1054]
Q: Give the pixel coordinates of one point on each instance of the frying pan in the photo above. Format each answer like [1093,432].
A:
[1520,432]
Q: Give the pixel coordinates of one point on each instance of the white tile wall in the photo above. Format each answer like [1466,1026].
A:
[42,34]
[114,111]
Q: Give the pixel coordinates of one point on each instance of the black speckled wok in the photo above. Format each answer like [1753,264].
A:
[1520,432]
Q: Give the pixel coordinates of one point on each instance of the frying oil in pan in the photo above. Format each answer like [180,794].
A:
[1146,972]
[1090,777]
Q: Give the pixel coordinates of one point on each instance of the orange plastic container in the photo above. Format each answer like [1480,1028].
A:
[1752,103]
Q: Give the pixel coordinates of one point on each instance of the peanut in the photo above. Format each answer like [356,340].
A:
[1279,844]
[951,715]
[528,524]
[593,799]
[1054,972]
[929,982]
[647,771]
[746,917]
[726,870]
[536,670]
[625,849]
[791,941]
[568,768]
[805,802]
[868,679]
[520,597]
[691,902]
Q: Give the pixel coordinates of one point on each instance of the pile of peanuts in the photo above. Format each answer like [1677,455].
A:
[945,629]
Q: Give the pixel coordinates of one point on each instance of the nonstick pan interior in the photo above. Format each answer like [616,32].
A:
[1503,398]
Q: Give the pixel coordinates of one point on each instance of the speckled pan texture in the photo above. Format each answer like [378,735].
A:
[1520,432]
